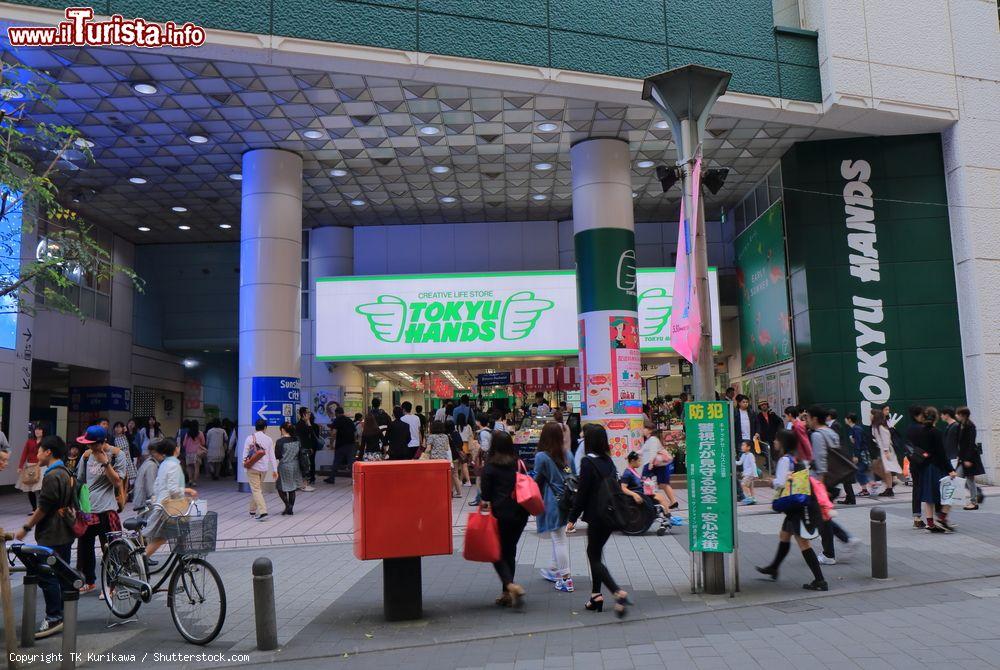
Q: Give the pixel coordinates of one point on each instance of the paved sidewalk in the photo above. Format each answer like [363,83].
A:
[329,604]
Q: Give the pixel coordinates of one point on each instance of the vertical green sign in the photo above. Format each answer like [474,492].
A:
[605,270]
[765,333]
[711,512]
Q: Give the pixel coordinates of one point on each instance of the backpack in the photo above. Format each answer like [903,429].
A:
[613,504]
[254,453]
[571,485]
[305,463]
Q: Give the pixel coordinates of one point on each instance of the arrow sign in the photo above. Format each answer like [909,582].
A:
[263,413]
[274,399]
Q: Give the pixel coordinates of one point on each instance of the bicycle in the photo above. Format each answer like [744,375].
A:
[196,596]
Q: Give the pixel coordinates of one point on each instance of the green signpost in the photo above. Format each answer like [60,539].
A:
[711,487]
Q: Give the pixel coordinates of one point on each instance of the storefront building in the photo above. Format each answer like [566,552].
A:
[311,154]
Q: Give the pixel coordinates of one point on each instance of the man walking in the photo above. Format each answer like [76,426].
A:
[344,444]
[824,440]
[52,521]
[309,441]
[413,422]
[102,468]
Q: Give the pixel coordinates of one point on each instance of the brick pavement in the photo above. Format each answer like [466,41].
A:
[329,604]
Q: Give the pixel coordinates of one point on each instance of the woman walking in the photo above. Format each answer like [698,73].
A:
[371,439]
[455,443]
[497,492]
[786,445]
[551,468]
[29,472]
[596,467]
[464,431]
[215,443]
[194,451]
[657,462]
[147,434]
[882,438]
[286,450]
[970,462]
[932,469]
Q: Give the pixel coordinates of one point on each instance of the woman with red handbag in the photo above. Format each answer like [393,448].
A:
[497,492]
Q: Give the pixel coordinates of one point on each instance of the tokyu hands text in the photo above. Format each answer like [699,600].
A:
[113,657]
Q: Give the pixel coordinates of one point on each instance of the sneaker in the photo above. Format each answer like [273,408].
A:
[48,628]
[888,493]
[307,488]
[823,560]
[817,584]
[87,588]
[947,525]
[261,517]
[475,503]
[549,575]
[919,524]
[936,529]
[565,585]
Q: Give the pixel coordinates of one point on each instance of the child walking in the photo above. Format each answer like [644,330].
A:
[749,465]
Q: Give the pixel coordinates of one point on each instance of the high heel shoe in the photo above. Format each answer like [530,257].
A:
[620,603]
[595,604]
[516,592]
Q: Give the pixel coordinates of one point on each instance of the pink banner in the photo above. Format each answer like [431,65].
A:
[685,317]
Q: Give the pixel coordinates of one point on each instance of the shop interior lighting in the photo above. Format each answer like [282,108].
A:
[451,378]
[406,376]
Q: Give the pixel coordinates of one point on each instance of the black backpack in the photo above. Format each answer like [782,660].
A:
[571,485]
[614,505]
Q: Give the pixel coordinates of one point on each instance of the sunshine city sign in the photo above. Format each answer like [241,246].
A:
[475,314]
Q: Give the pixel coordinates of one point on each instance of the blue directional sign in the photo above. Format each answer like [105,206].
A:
[494,379]
[274,399]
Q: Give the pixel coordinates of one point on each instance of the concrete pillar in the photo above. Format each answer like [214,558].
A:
[604,247]
[270,276]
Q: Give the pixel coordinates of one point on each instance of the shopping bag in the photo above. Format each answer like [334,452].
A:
[526,492]
[952,490]
[795,494]
[482,537]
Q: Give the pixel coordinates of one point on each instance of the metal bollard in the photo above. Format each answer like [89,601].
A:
[880,551]
[28,610]
[263,605]
[70,600]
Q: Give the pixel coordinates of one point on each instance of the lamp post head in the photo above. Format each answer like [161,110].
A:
[686,94]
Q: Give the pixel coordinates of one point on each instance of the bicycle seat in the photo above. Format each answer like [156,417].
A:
[135,523]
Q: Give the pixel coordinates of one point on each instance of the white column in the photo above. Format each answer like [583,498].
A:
[270,274]
[604,243]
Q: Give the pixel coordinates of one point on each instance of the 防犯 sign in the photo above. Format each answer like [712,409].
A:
[711,509]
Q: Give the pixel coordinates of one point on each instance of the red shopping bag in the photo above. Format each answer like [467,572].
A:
[482,537]
[526,492]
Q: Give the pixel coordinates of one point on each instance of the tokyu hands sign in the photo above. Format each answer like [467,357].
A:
[475,314]
[392,319]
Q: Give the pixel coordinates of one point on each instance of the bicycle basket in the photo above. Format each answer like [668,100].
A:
[193,534]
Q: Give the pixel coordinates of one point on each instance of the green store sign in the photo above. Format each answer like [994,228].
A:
[711,503]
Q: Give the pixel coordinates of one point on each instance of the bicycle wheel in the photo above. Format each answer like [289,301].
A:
[197,600]
[121,559]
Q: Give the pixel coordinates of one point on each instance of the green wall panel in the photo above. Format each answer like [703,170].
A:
[624,38]
[606,55]
[464,36]
[916,278]
[639,20]
[527,12]
[349,22]
[245,16]
[749,74]
[743,28]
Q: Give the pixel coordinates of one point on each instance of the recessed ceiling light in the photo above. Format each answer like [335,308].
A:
[338,173]
[225,226]
[179,209]
[137,180]
[543,166]
[448,199]
[83,143]
[145,89]
[539,196]
[190,363]
[429,130]
[143,229]
[313,134]
[197,139]
[645,164]
[662,125]
[548,127]
[236,176]
[11,94]
[183,227]
[440,169]
[358,203]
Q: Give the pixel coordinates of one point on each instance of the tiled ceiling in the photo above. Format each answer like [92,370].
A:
[491,143]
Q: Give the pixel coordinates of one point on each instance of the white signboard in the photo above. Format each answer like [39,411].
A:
[509,314]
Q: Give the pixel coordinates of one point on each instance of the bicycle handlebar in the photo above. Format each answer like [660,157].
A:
[154,506]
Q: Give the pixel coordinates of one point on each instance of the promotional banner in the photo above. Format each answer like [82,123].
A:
[274,399]
[478,314]
[765,330]
[610,282]
[711,503]
[685,319]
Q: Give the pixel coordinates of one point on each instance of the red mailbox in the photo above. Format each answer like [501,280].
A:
[402,509]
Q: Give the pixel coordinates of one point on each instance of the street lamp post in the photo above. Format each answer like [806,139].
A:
[685,96]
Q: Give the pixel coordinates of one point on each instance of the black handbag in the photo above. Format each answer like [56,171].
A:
[917,456]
